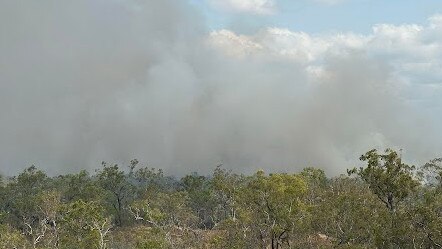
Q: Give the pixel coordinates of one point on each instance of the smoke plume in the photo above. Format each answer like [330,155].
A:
[106,80]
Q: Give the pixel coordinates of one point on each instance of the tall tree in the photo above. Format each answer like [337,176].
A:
[201,198]
[120,190]
[84,225]
[272,206]
[388,177]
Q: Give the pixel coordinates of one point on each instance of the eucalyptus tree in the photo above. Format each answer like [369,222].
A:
[84,224]
[272,210]
[425,212]
[226,186]
[168,213]
[79,186]
[119,189]
[348,214]
[201,198]
[393,182]
[388,177]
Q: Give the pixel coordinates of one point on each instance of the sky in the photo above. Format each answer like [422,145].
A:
[315,16]
[186,85]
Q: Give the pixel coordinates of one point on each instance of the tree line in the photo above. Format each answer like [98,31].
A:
[384,204]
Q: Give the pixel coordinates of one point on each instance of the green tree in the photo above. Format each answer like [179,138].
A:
[147,177]
[425,210]
[272,206]
[225,187]
[393,183]
[84,225]
[23,203]
[167,212]
[317,183]
[387,176]
[120,190]
[201,199]
[347,213]
[79,186]
[12,238]
[425,217]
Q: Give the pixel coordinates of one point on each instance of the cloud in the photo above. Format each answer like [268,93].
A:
[87,81]
[410,54]
[261,7]
[401,45]
[283,42]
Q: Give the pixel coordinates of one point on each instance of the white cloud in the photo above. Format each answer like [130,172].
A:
[411,53]
[435,21]
[299,46]
[235,45]
[262,7]
[400,45]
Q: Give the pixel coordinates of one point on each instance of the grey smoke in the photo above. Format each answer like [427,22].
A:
[106,80]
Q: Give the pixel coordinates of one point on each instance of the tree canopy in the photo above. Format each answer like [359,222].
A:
[383,203]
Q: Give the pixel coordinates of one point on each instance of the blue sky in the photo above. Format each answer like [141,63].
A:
[316,17]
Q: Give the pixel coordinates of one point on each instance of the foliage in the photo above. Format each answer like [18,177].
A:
[271,207]
[389,179]
[84,225]
[118,189]
[385,204]
[12,238]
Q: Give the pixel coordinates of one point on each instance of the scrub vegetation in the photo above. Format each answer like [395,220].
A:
[383,204]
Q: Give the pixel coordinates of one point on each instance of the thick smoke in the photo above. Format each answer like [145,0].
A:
[86,81]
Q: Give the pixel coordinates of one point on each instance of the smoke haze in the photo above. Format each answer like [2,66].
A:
[106,80]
